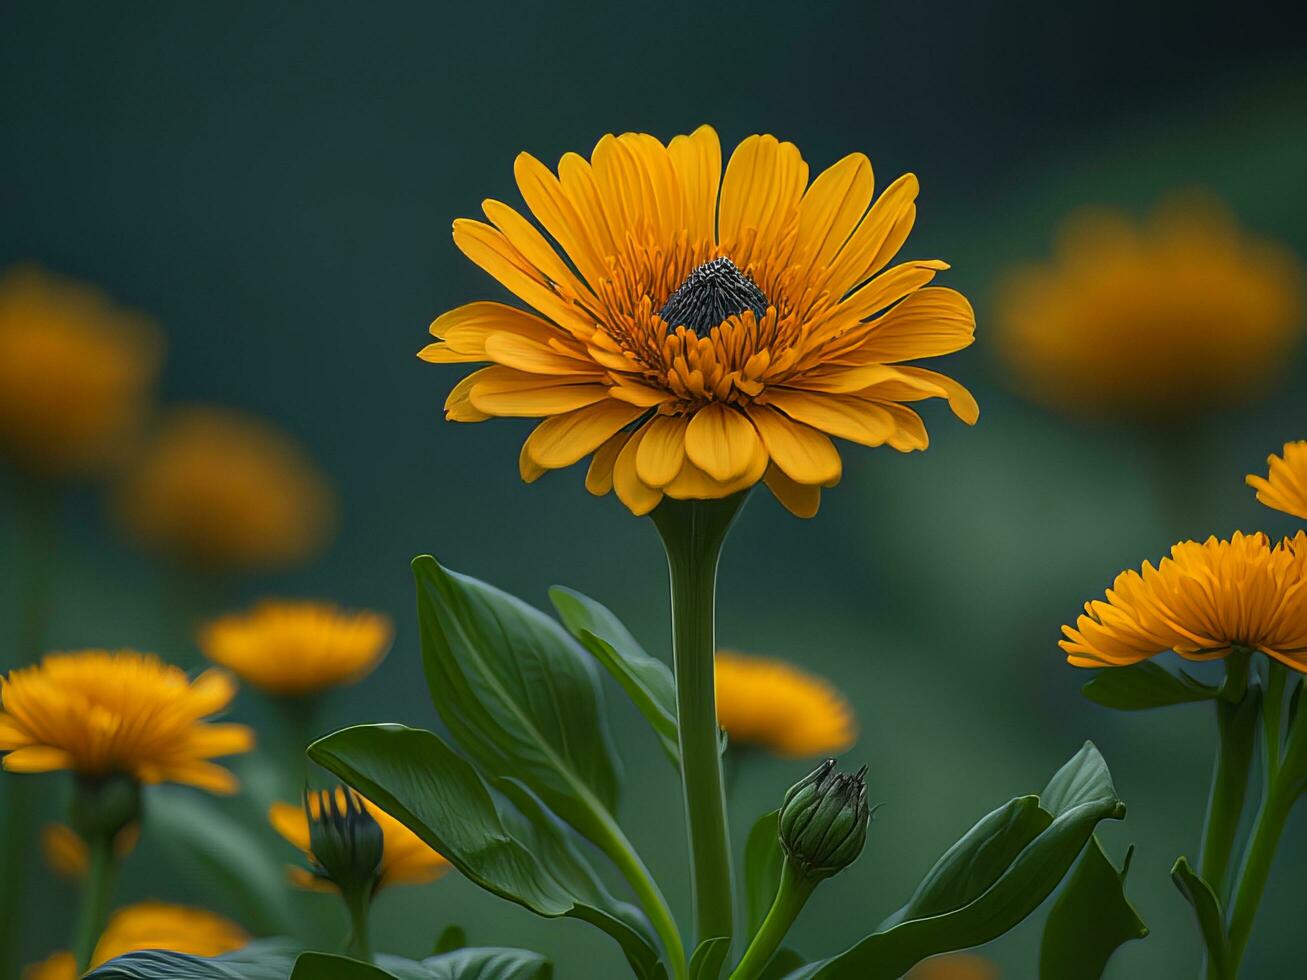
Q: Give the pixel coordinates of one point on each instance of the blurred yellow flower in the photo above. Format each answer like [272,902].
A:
[1285,485]
[1152,321]
[150,925]
[954,966]
[774,705]
[224,491]
[68,855]
[405,860]
[76,373]
[1203,602]
[100,713]
[297,648]
[706,329]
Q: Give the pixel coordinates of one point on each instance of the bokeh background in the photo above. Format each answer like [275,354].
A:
[275,186]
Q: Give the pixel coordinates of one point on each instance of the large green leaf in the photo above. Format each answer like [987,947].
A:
[989,899]
[518,694]
[1090,919]
[1207,910]
[265,959]
[709,958]
[487,963]
[230,858]
[329,966]
[524,855]
[1145,685]
[646,680]
[763,861]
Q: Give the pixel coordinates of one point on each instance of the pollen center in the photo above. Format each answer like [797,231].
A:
[711,293]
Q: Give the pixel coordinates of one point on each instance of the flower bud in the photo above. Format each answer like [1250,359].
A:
[823,821]
[344,839]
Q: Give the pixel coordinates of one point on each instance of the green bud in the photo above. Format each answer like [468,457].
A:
[823,821]
[103,805]
[345,841]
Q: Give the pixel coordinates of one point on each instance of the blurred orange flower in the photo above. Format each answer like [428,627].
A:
[1152,321]
[776,706]
[76,373]
[222,491]
[954,966]
[1285,485]
[67,854]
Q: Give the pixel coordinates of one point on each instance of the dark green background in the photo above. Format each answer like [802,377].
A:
[275,184]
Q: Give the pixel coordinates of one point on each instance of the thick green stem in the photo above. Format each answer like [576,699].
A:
[1237,724]
[1272,817]
[1277,676]
[360,939]
[95,901]
[793,892]
[692,533]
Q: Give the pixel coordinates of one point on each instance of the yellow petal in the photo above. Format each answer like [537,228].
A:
[563,439]
[878,237]
[804,454]
[693,483]
[843,416]
[697,159]
[533,247]
[290,821]
[638,497]
[527,468]
[887,289]
[761,190]
[37,758]
[545,196]
[721,441]
[534,357]
[800,499]
[662,450]
[599,477]
[204,775]
[831,209]
[928,323]
[515,394]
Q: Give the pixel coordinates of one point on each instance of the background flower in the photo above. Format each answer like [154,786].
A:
[100,713]
[405,860]
[224,491]
[67,854]
[1285,485]
[706,330]
[1202,602]
[150,925]
[778,707]
[76,373]
[954,966]
[1152,320]
[297,648]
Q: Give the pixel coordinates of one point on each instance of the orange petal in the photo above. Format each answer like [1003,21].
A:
[37,758]
[638,497]
[800,499]
[662,450]
[563,439]
[599,477]
[721,441]
[843,416]
[804,454]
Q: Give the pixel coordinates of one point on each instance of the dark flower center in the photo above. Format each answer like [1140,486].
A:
[711,293]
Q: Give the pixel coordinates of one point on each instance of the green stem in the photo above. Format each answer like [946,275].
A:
[1237,724]
[1272,817]
[693,532]
[790,898]
[1277,676]
[360,939]
[614,843]
[95,901]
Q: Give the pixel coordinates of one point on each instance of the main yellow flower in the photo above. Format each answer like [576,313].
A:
[297,648]
[225,491]
[1151,321]
[1203,602]
[1285,485]
[704,331]
[150,925]
[405,858]
[76,373]
[100,713]
[776,706]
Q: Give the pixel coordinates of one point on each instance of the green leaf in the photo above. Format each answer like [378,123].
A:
[1145,685]
[524,855]
[709,958]
[485,963]
[1090,919]
[263,959]
[993,898]
[518,694]
[646,680]
[1207,910]
[763,861]
[329,966]
[225,854]
[781,964]
[450,939]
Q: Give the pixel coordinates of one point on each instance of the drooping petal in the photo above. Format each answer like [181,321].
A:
[928,323]
[564,439]
[721,441]
[802,453]
[662,450]
[502,391]
[843,416]
[599,476]
[639,497]
[800,499]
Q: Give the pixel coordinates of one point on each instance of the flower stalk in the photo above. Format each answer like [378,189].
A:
[792,894]
[1237,724]
[693,532]
[94,909]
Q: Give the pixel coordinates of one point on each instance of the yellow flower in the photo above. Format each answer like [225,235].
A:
[76,373]
[405,860]
[224,491]
[1151,321]
[954,966]
[1285,485]
[704,331]
[1203,602]
[297,648]
[778,707]
[150,925]
[101,713]
[67,853]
